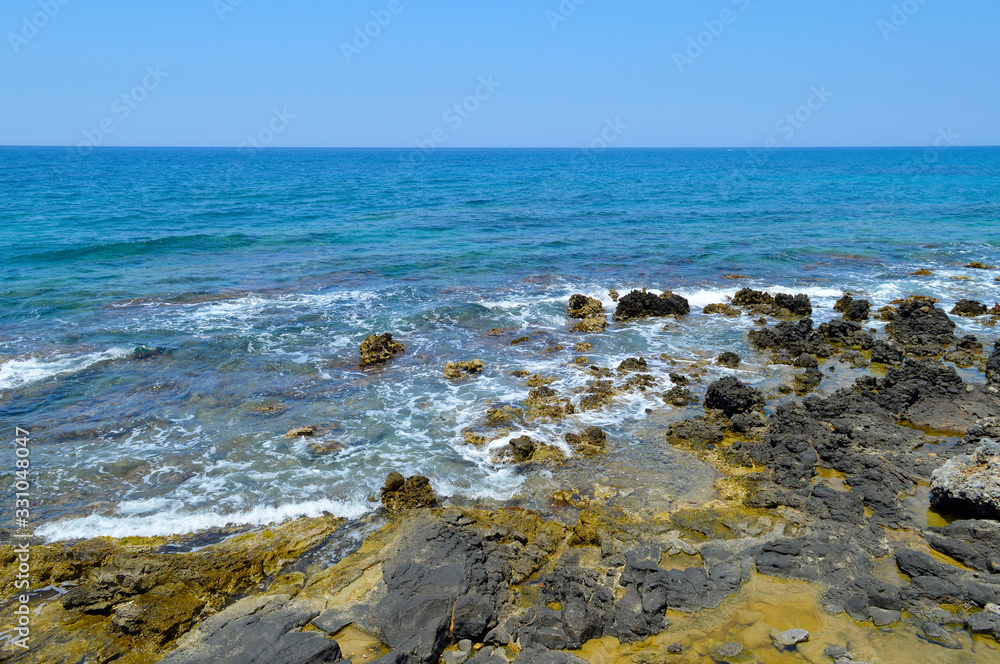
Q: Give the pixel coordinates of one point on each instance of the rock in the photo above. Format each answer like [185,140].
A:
[795,337]
[789,638]
[984,622]
[748,297]
[888,352]
[937,634]
[300,432]
[465,645]
[697,433]
[970,484]
[503,414]
[731,653]
[581,306]
[675,648]
[922,272]
[589,442]
[921,327]
[613,294]
[521,449]
[723,309]
[993,366]
[969,308]
[979,266]
[412,492]
[591,324]
[731,396]
[632,364]
[323,448]
[729,359]
[544,402]
[471,618]
[454,657]
[798,305]
[679,396]
[378,348]
[883,617]
[457,369]
[974,543]
[536,380]
[641,304]
[160,615]
[806,361]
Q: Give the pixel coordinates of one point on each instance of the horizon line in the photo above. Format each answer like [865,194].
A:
[488,147]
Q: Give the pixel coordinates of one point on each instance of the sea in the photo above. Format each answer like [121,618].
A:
[168,315]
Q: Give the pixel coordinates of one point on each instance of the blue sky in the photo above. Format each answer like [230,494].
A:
[509,73]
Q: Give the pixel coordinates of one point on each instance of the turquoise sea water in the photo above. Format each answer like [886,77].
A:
[168,314]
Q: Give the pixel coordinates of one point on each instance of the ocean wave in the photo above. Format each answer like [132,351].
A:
[159,523]
[18,373]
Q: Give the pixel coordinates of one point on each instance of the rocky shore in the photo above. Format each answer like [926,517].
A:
[858,524]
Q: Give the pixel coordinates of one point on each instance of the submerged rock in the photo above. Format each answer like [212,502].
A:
[581,306]
[643,304]
[403,493]
[731,396]
[591,324]
[723,309]
[970,484]
[589,442]
[379,348]
[632,364]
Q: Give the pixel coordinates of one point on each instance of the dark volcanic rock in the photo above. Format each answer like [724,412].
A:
[640,304]
[731,396]
[973,543]
[795,337]
[921,327]
[378,348]
[581,306]
[632,364]
[846,333]
[993,366]
[888,352]
[589,442]
[399,493]
[729,359]
[799,305]
[969,308]
[856,310]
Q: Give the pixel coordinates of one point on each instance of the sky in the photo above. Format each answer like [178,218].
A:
[499,73]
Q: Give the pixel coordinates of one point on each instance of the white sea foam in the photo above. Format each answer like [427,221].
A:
[175,522]
[18,373]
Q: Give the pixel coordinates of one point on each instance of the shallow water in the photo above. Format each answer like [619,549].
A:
[170,314]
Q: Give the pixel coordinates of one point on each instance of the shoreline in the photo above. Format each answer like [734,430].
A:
[815,490]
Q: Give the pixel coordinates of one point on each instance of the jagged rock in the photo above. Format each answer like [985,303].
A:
[322,448]
[696,433]
[846,333]
[808,380]
[536,380]
[888,352]
[403,493]
[798,305]
[378,348]
[993,366]
[679,396]
[806,361]
[600,393]
[974,543]
[544,402]
[641,304]
[731,396]
[854,310]
[795,337]
[300,432]
[723,309]
[613,294]
[591,324]
[729,359]
[979,266]
[503,414]
[970,484]
[458,369]
[632,364]
[921,327]
[581,306]
[588,442]
[748,297]
[969,308]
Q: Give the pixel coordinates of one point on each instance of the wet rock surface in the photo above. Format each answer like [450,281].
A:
[378,348]
[642,304]
[970,484]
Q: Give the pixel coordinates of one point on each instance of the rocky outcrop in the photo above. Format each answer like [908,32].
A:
[969,485]
[993,366]
[732,396]
[589,442]
[729,359]
[643,304]
[855,310]
[454,370]
[723,309]
[591,324]
[404,493]
[797,305]
[969,309]
[921,327]
[378,348]
[794,337]
[581,306]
